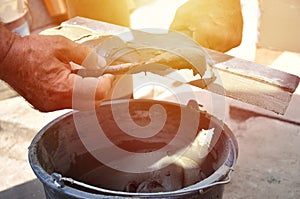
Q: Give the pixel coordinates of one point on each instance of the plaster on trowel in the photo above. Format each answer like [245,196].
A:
[225,75]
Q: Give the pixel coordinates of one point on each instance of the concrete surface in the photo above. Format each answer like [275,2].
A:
[19,123]
[269,160]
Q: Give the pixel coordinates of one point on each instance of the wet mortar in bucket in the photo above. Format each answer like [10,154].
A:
[68,169]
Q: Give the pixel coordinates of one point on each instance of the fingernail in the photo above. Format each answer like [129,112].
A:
[109,76]
[101,61]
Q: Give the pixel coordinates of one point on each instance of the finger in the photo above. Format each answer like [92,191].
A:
[79,53]
[69,50]
[104,86]
[87,91]
[93,61]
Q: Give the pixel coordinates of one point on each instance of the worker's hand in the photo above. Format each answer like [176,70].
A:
[38,68]
[214,24]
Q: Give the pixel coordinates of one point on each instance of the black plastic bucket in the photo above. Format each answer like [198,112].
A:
[68,168]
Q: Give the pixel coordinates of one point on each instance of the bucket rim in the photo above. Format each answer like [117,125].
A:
[220,176]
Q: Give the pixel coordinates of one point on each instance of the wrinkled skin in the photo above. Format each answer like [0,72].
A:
[38,68]
[214,24]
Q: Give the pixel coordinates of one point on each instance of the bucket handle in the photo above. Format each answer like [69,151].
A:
[226,180]
[59,180]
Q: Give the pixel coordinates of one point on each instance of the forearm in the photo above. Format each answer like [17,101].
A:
[6,43]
